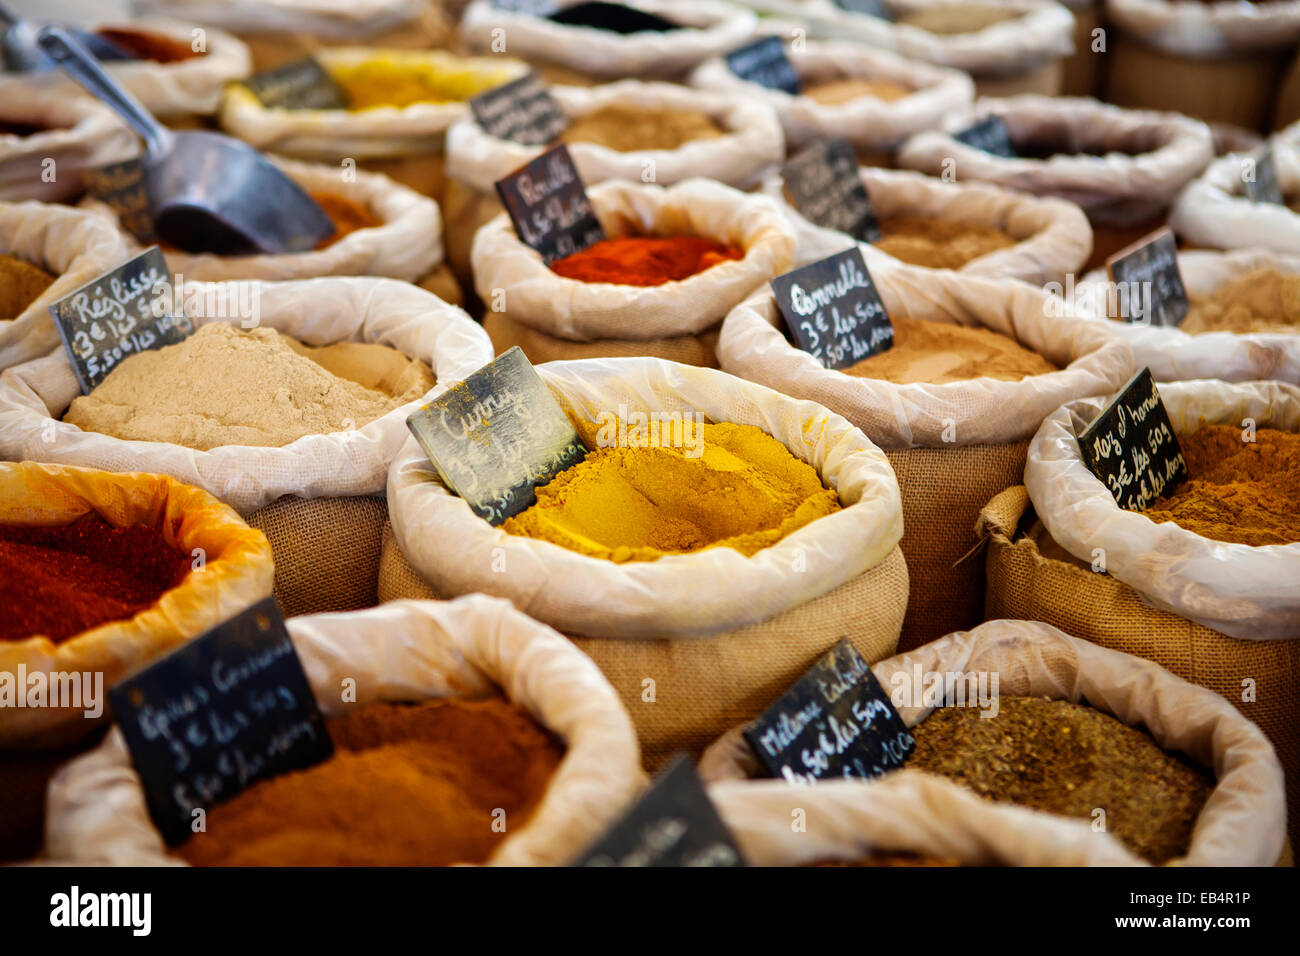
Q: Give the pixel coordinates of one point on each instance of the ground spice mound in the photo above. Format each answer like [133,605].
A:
[20,285]
[222,386]
[399,81]
[347,216]
[940,352]
[150,46]
[645,260]
[1069,759]
[61,581]
[408,785]
[951,19]
[1262,300]
[628,129]
[849,89]
[745,491]
[1239,491]
[938,243]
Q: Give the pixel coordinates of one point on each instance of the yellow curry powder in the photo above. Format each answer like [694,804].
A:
[940,352]
[1262,300]
[20,284]
[722,485]
[393,80]
[627,129]
[938,243]
[851,88]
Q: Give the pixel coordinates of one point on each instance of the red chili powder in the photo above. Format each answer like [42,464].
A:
[64,580]
[645,260]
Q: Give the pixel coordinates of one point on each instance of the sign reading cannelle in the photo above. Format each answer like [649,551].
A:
[833,310]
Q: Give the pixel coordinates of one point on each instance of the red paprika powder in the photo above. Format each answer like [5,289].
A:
[60,581]
[645,260]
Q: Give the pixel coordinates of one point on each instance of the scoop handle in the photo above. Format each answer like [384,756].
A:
[7,17]
[60,46]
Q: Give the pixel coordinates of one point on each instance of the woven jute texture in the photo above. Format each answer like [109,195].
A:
[1045,80]
[442,283]
[543,347]
[464,210]
[1023,583]
[943,491]
[682,694]
[326,551]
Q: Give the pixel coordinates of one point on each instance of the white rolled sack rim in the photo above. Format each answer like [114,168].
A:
[34,395]
[402,652]
[1208,30]
[752,139]
[1243,591]
[1213,212]
[678,595]
[336,19]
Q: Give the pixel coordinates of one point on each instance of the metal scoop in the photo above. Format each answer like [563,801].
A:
[21,53]
[207,192]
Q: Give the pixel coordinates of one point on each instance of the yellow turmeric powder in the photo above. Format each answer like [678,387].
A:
[721,485]
[402,78]
[20,284]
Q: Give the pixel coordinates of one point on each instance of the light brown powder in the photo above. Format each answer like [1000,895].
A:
[940,352]
[627,129]
[20,284]
[951,19]
[851,88]
[938,243]
[1262,300]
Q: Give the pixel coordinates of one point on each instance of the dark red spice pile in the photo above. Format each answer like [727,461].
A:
[61,581]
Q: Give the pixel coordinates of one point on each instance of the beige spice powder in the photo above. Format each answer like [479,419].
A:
[940,352]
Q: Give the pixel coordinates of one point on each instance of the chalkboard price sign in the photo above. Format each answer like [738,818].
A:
[1261,184]
[1132,448]
[218,714]
[673,824]
[836,721]
[1149,286]
[301,85]
[765,63]
[833,310]
[496,436]
[823,181]
[122,186]
[989,135]
[123,312]
[522,110]
[549,206]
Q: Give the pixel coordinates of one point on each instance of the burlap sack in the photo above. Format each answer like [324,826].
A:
[76,133]
[1149,156]
[1242,824]
[1053,238]
[326,551]
[173,92]
[407,651]
[717,633]
[1085,67]
[947,443]
[407,244]
[868,123]
[71,245]
[1175,355]
[235,573]
[1214,212]
[708,28]
[511,278]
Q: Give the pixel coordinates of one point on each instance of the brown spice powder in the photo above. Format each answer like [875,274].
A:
[1262,300]
[408,785]
[1239,491]
[20,285]
[1069,759]
[626,129]
[940,352]
[951,19]
[938,243]
[846,90]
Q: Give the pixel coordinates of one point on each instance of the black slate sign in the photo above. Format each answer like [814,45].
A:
[989,135]
[1149,286]
[823,181]
[496,436]
[522,110]
[123,312]
[122,186]
[301,85]
[225,710]
[673,824]
[1263,186]
[1132,448]
[833,310]
[870,8]
[549,206]
[836,721]
[764,62]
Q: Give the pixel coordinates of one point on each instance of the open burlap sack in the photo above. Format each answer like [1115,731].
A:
[174,92]
[316,497]
[1242,824]
[407,244]
[75,134]
[71,245]
[235,573]
[718,635]
[949,444]
[1214,212]
[871,125]
[402,652]
[707,28]
[1175,355]
[1053,237]
[567,318]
